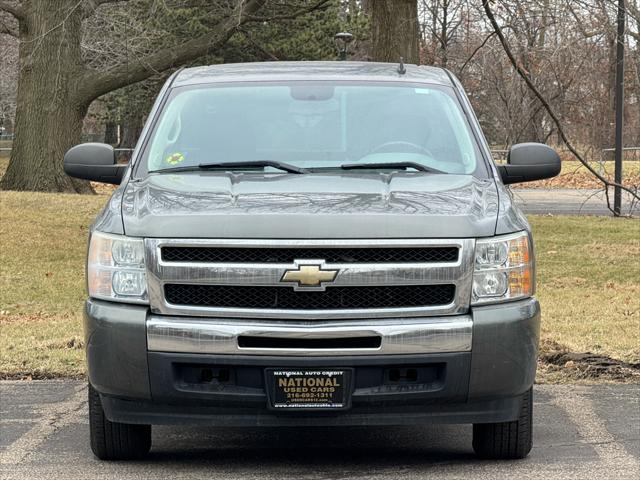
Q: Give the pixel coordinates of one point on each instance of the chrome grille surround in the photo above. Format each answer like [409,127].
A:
[160,272]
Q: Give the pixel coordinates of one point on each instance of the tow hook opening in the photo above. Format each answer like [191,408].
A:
[403,375]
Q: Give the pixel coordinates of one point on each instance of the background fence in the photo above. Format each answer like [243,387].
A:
[629,154]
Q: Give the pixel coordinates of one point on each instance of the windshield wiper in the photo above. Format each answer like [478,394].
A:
[390,165]
[286,167]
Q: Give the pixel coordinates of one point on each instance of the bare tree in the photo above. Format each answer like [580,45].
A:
[124,41]
[523,74]
[442,20]
[56,84]
[570,67]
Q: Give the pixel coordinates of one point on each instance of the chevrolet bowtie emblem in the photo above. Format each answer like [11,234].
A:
[309,276]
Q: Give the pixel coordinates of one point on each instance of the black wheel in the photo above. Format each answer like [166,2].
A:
[115,441]
[509,440]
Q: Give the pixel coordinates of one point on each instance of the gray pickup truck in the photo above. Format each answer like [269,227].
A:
[311,244]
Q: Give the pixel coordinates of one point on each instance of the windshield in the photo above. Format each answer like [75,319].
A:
[313,126]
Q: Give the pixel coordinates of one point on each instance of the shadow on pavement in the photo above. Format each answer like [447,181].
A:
[380,447]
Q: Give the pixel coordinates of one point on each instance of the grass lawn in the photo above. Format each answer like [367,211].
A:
[588,270]
[42,282]
[589,283]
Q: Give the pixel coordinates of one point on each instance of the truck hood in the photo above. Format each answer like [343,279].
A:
[312,206]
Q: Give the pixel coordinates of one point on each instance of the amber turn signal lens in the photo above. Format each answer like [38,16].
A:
[115,268]
[503,276]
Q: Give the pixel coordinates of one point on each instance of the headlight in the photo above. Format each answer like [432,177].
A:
[115,268]
[503,269]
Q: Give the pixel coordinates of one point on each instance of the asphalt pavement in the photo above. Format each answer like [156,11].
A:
[580,432]
[570,201]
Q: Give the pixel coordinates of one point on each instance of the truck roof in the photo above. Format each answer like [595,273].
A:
[288,71]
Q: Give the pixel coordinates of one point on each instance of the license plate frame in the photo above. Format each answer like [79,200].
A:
[332,393]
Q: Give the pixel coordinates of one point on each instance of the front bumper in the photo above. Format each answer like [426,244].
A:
[475,370]
[310,338]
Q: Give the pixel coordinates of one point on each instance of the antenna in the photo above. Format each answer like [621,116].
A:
[401,69]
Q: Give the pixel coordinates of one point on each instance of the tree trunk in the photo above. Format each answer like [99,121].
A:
[394,27]
[131,128]
[55,88]
[444,35]
[111,133]
[49,115]
[635,130]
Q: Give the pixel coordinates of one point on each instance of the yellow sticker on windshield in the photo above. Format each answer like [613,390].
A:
[175,159]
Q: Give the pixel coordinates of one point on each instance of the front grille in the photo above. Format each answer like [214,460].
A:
[333,298]
[329,255]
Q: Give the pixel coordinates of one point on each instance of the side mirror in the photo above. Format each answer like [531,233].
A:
[527,162]
[93,161]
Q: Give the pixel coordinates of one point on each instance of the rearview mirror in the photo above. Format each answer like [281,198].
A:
[93,161]
[527,162]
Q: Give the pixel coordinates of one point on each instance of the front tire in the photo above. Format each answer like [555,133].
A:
[508,440]
[115,441]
